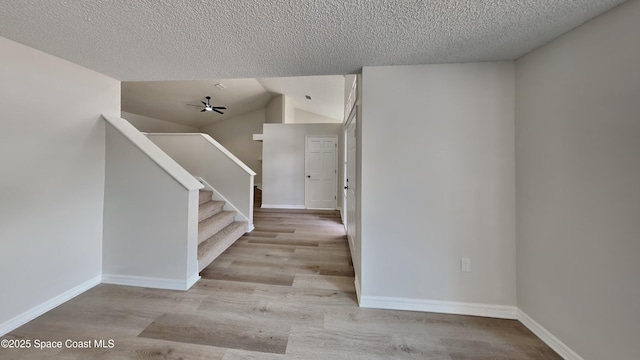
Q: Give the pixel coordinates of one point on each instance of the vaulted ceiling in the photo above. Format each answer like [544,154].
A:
[169,100]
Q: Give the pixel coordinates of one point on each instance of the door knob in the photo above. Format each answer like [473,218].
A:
[309,176]
[346,187]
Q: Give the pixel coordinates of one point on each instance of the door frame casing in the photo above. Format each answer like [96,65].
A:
[306,170]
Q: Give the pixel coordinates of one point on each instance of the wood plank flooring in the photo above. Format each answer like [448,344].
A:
[284,291]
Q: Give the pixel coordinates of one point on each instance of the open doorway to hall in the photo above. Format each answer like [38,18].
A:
[308,105]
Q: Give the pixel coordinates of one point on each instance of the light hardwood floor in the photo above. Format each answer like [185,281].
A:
[284,291]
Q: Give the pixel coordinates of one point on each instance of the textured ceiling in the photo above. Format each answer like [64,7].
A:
[188,39]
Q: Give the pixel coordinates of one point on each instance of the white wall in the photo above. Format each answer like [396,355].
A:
[306,117]
[151,125]
[437,184]
[202,156]
[358,192]
[52,152]
[578,186]
[150,218]
[236,134]
[283,152]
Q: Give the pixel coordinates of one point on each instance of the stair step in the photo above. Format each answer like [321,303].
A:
[210,226]
[209,208]
[204,196]
[212,247]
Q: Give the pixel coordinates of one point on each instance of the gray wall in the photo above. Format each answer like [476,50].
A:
[306,117]
[52,155]
[151,125]
[236,134]
[283,153]
[578,186]
[437,184]
[274,111]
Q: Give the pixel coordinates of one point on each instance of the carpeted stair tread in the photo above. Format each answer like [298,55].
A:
[209,208]
[213,224]
[204,196]
[215,245]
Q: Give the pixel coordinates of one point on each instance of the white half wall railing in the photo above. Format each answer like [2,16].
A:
[229,178]
[150,232]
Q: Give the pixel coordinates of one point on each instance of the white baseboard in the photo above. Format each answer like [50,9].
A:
[149,282]
[558,346]
[34,312]
[192,280]
[270,206]
[437,306]
[357,284]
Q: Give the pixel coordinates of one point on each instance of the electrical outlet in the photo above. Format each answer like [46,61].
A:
[465,265]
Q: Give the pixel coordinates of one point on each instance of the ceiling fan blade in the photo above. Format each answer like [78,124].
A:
[218,111]
[203,103]
[219,107]
[203,110]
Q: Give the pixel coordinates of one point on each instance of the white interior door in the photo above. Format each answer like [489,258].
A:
[350,179]
[321,172]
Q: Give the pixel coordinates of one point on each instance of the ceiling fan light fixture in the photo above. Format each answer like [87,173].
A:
[208,107]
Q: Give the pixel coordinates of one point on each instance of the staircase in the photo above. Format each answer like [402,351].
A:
[217,229]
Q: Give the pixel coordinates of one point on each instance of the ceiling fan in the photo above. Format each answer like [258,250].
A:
[208,107]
